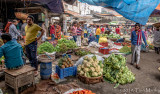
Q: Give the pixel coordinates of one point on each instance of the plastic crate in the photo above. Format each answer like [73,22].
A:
[66,55]
[70,71]
[104,44]
[119,44]
[100,49]
[105,51]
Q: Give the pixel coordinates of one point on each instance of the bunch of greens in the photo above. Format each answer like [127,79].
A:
[64,45]
[116,71]
[117,36]
[82,52]
[104,35]
[45,47]
[125,49]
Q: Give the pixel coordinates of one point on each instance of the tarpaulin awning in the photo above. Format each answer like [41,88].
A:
[135,10]
[156,12]
[55,6]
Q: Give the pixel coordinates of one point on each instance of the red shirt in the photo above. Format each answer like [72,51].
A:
[52,30]
[117,31]
[102,29]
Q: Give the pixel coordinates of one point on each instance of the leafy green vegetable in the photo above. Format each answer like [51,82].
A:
[45,47]
[116,71]
[125,49]
[82,53]
[114,36]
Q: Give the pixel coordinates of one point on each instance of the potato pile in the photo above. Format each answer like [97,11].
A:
[65,62]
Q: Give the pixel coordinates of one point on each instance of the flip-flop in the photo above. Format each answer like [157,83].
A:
[138,67]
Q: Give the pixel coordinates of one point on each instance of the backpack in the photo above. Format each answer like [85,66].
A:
[7,27]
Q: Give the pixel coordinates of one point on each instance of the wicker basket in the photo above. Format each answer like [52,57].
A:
[20,15]
[113,39]
[45,58]
[92,80]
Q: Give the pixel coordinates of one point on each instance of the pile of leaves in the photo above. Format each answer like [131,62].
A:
[65,62]
[116,71]
[90,67]
[117,36]
[45,47]
[64,45]
[82,52]
[104,35]
[125,49]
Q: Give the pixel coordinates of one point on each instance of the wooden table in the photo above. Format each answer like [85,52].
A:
[19,77]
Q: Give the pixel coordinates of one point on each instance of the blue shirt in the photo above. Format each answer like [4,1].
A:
[13,52]
[89,30]
[134,38]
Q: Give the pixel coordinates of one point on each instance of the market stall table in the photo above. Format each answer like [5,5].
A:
[19,77]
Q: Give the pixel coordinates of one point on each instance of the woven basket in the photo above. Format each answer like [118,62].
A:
[44,58]
[156,25]
[92,80]
[20,15]
[113,39]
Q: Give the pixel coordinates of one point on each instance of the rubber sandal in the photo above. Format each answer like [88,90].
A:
[138,67]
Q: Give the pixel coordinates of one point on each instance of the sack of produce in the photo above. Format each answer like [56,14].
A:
[91,67]
[116,71]
[125,49]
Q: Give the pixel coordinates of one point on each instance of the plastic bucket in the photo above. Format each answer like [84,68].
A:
[45,70]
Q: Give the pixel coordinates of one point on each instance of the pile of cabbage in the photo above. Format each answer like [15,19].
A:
[117,36]
[116,71]
[90,67]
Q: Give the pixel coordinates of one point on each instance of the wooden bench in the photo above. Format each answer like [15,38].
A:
[19,77]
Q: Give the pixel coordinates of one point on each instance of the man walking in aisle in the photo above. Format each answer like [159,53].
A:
[31,30]
[136,40]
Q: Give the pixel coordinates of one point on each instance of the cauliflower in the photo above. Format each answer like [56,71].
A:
[85,61]
[86,69]
[92,69]
[81,73]
[86,58]
[82,66]
[79,69]
[94,74]
[102,70]
[87,65]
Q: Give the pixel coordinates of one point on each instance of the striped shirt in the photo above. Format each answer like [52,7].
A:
[79,30]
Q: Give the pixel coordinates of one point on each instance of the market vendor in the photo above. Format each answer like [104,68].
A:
[121,40]
[31,30]
[12,52]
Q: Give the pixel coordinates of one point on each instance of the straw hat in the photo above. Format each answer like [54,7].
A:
[156,25]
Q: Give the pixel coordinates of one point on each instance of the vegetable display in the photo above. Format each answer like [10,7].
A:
[90,67]
[64,45]
[82,52]
[125,49]
[103,35]
[116,71]
[117,36]
[65,62]
[82,92]
[45,47]
[102,40]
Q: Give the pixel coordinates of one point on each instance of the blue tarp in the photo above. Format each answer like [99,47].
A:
[135,10]
[55,6]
